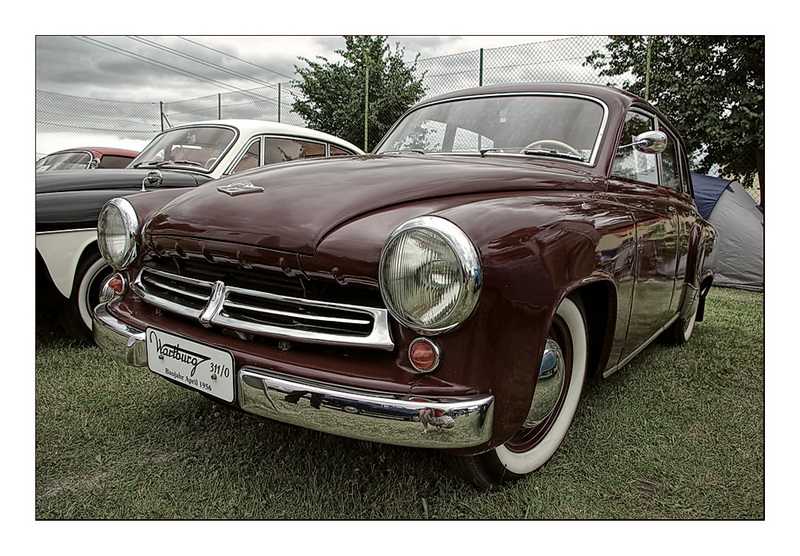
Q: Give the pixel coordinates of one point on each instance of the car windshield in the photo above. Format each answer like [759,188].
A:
[64,161]
[197,148]
[528,125]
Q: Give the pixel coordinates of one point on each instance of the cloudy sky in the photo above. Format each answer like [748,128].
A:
[170,68]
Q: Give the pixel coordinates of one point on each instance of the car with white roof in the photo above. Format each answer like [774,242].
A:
[69,201]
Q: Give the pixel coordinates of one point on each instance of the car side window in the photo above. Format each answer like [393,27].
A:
[250,159]
[283,149]
[670,164]
[112,161]
[338,151]
[630,163]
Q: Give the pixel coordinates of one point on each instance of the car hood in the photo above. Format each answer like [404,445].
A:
[295,205]
[86,180]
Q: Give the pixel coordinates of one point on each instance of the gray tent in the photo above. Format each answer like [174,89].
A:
[740,223]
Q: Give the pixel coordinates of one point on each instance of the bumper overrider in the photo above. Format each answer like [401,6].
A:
[458,422]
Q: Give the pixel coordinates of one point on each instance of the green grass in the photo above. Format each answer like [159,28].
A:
[676,434]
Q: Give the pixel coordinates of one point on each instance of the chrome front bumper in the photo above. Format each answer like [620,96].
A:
[458,422]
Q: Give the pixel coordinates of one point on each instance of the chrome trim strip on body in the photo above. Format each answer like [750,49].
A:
[218,309]
[66,231]
[610,371]
[373,416]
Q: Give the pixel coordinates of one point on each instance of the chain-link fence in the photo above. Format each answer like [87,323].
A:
[104,122]
[560,60]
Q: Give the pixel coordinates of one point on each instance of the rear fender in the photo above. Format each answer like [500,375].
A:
[699,269]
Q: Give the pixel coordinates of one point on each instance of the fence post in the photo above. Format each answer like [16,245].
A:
[161,114]
[219,106]
[279,103]
[647,72]
[366,101]
[480,70]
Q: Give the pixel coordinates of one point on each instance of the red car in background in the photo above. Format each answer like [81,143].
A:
[86,158]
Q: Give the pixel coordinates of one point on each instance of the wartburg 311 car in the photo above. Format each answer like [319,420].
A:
[451,290]
[68,202]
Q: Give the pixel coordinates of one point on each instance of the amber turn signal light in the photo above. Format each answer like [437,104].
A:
[424,355]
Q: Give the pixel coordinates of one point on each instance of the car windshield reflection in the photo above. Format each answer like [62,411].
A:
[197,148]
[64,161]
[561,126]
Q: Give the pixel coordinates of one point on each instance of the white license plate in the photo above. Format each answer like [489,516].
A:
[196,365]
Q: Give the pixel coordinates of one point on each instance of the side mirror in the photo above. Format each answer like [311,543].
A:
[94,163]
[649,142]
[153,179]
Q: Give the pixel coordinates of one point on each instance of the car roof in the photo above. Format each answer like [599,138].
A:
[602,92]
[254,127]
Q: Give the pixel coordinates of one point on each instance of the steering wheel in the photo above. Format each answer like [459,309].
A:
[553,142]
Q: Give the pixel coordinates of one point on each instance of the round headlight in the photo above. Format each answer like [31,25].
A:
[116,232]
[430,274]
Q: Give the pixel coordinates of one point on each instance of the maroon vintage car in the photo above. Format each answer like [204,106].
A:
[451,290]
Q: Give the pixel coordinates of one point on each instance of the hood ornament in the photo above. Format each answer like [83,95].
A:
[240,187]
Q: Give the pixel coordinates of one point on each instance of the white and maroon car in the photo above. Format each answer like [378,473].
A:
[68,202]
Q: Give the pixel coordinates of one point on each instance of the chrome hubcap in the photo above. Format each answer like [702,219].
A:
[549,386]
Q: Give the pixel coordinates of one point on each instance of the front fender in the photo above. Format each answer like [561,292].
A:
[535,251]
[61,251]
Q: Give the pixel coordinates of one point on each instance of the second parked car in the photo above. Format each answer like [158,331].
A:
[86,158]
[68,202]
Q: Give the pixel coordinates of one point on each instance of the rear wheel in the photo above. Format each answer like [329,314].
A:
[553,407]
[89,277]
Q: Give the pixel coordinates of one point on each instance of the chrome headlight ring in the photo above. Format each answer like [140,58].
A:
[117,227]
[430,275]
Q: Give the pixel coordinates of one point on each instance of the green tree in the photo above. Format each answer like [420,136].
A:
[711,87]
[333,94]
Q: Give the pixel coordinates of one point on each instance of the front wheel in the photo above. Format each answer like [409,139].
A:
[681,330]
[558,390]
[89,277]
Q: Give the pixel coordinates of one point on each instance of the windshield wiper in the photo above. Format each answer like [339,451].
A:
[145,163]
[557,154]
[417,151]
[162,163]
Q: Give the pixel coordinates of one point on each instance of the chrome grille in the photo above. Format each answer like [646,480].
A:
[214,303]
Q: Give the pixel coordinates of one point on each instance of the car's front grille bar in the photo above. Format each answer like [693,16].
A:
[263,313]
